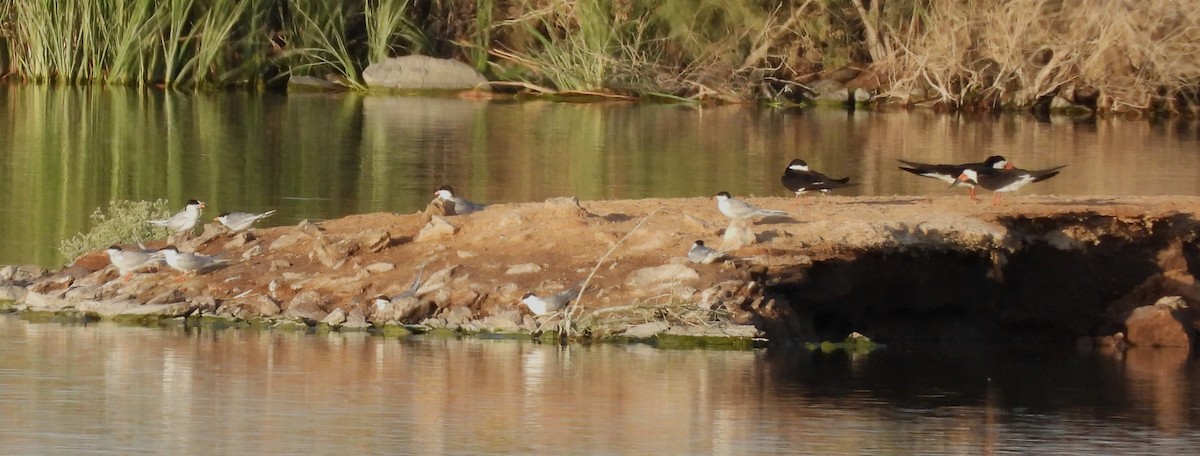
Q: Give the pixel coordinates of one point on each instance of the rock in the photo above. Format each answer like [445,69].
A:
[59,282]
[861,95]
[107,307]
[380,267]
[374,241]
[657,275]
[204,303]
[457,316]
[739,234]
[335,318]
[253,307]
[170,296]
[526,268]
[436,281]
[279,264]
[287,240]
[419,72]
[355,321]
[743,331]
[438,228]
[505,321]
[11,293]
[252,252]
[466,254]
[178,309]
[332,252]
[27,274]
[306,306]
[646,330]
[569,204]
[310,229]
[48,302]
[1167,323]
[83,293]
[239,240]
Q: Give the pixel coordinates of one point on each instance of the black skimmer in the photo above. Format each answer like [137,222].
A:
[798,178]
[1004,180]
[949,173]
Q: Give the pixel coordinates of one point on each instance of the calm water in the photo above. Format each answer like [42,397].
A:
[106,389]
[66,151]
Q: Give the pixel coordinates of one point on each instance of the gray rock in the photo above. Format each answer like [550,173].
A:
[827,89]
[335,318]
[738,234]
[83,293]
[523,269]
[1167,323]
[167,297]
[172,310]
[457,316]
[107,307]
[253,307]
[861,95]
[47,302]
[306,306]
[11,293]
[646,330]
[6,273]
[253,252]
[380,267]
[28,273]
[438,228]
[279,264]
[419,72]
[287,240]
[355,321]
[657,275]
[466,254]
[505,321]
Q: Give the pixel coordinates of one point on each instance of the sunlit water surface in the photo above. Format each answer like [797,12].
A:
[106,389]
[66,151]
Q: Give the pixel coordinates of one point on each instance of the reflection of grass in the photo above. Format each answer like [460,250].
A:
[123,222]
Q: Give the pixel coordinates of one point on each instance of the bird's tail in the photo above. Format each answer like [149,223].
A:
[1043,174]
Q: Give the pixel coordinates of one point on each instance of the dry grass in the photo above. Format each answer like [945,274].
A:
[1129,56]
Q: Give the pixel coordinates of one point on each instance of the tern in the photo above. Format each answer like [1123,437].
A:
[798,178]
[700,253]
[239,221]
[183,220]
[549,304]
[461,205]
[737,209]
[128,262]
[186,262]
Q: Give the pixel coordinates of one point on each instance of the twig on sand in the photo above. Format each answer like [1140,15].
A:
[570,310]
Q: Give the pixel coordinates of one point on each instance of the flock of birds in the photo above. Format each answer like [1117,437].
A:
[995,174]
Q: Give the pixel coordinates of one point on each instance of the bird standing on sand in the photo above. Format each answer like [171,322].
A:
[737,209]
[239,221]
[949,173]
[461,205]
[798,178]
[700,253]
[550,304]
[183,220]
[1004,180]
[128,262]
[186,262]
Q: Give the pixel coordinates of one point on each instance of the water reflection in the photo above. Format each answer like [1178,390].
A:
[68,151]
[126,390]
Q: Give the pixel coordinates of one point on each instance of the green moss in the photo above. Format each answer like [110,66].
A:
[7,306]
[392,331]
[442,332]
[290,325]
[669,341]
[67,317]
[137,320]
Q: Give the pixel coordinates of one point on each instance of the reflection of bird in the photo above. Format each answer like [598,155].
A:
[737,209]
[550,304]
[798,178]
[949,173]
[238,221]
[700,253]
[461,205]
[128,262]
[1005,180]
[183,220]
[186,262]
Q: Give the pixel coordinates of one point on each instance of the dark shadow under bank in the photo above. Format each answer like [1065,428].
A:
[1043,287]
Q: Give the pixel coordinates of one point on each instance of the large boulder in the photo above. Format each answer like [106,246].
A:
[419,72]
[1167,323]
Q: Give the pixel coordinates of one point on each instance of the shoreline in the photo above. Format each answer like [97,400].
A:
[889,268]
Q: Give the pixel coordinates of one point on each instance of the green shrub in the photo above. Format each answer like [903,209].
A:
[121,223]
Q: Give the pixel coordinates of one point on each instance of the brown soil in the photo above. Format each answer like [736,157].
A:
[567,243]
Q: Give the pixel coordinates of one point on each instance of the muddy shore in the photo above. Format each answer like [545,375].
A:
[940,269]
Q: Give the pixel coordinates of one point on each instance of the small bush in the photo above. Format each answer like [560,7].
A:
[123,222]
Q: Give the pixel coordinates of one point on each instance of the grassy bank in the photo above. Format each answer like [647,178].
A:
[1112,56]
